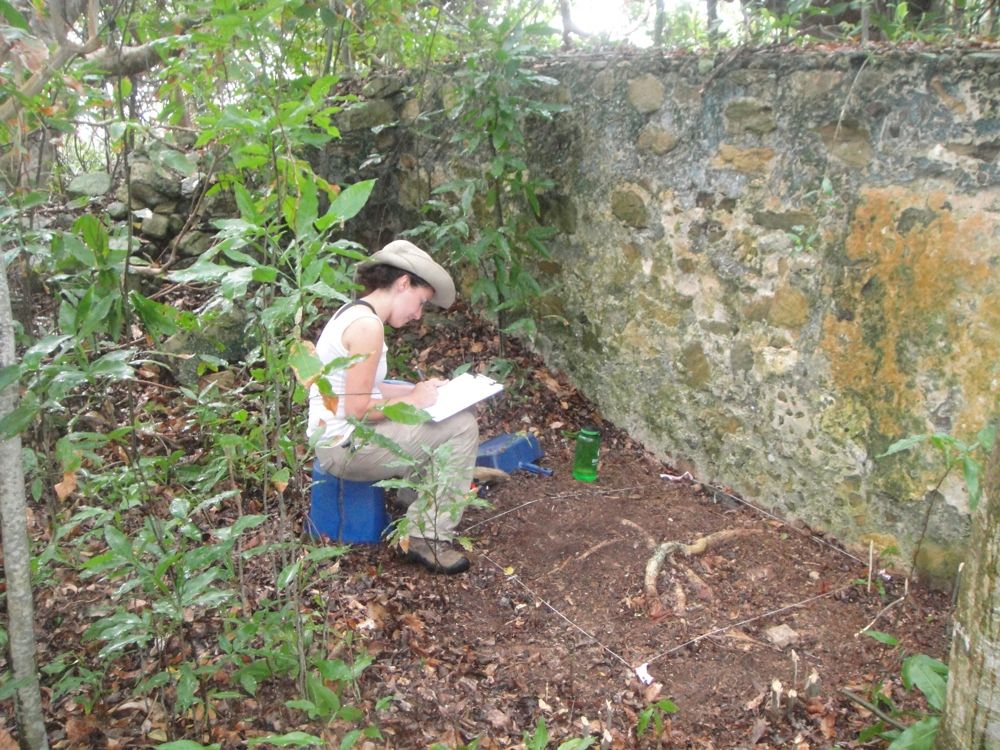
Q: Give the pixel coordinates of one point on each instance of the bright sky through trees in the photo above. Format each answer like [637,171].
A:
[633,19]
[609,17]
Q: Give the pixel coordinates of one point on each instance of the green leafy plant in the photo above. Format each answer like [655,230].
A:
[823,201]
[875,582]
[930,677]
[653,715]
[432,482]
[278,640]
[90,269]
[956,454]
[489,220]
[169,565]
[539,739]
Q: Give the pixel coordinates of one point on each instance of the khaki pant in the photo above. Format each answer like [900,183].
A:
[370,463]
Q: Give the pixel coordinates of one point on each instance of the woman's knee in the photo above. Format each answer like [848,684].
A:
[461,431]
[466,425]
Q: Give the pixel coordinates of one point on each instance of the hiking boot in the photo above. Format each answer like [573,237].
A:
[437,555]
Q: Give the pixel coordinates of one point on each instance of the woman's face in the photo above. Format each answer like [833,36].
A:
[409,304]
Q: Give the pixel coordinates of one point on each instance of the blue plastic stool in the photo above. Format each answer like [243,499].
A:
[345,511]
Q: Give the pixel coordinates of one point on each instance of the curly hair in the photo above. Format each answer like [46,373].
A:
[382,276]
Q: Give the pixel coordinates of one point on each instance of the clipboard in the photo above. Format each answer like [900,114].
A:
[460,393]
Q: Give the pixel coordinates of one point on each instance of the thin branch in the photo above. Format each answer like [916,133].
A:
[34,85]
[128,61]
[885,609]
[873,708]
[890,605]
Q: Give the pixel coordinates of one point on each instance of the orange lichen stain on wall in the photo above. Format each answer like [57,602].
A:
[921,302]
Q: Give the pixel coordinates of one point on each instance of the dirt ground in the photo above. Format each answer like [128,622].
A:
[553,622]
[553,619]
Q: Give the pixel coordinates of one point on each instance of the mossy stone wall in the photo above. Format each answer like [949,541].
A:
[779,265]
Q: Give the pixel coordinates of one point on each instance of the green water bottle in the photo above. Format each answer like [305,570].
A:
[588,445]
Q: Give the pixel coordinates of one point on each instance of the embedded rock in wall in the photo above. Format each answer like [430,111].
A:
[800,265]
[646,93]
[167,196]
[630,204]
[89,185]
[656,139]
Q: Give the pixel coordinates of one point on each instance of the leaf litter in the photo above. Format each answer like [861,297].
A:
[554,620]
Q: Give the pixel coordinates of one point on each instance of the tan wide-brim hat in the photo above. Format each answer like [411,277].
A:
[408,257]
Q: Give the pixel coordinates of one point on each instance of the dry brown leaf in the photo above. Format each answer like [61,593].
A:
[754,703]
[412,622]
[331,402]
[828,725]
[652,692]
[377,613]
[451,738]
[497,718]
[65,488]
[549,382]
[759,727]
[815,706]
[6,741]
[489,474]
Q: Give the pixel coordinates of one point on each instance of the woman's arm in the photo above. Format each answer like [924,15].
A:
[395,390]
[364,337]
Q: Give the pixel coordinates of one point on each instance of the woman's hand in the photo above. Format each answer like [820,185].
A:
[424,394]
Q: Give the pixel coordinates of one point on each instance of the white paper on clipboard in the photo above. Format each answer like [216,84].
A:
[460,393]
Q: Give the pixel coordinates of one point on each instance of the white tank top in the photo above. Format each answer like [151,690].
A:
[330,346]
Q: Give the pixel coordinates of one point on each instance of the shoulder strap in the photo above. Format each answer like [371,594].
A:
[352,304]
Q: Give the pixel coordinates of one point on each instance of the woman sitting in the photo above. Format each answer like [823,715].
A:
[398,281]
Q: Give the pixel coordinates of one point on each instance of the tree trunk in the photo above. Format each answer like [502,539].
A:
[659,24]
[17,551]
[972,710]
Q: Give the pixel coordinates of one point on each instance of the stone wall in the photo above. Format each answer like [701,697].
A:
[772,269]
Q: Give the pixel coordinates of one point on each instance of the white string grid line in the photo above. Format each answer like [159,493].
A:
[763,512]
[747,621]
[593,490]
[517,579]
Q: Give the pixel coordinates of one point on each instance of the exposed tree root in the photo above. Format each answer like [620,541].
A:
[667,549]
[701,589]
[582,557]
[649,538]
[680,600]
